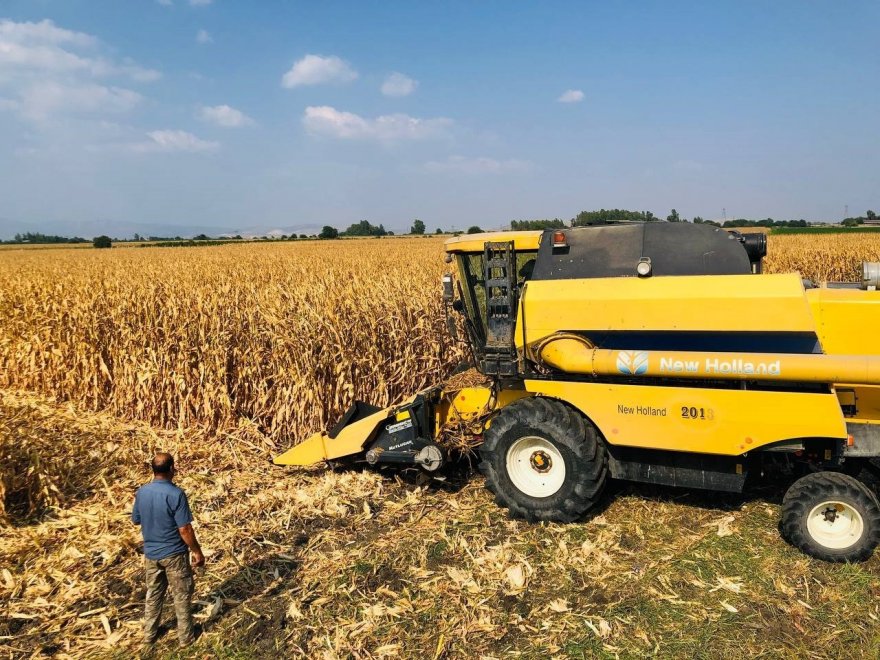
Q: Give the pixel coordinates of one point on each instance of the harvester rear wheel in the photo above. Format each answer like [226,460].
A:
[831,516]
[543,461]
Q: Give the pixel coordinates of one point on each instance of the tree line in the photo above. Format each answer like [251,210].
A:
[365,228]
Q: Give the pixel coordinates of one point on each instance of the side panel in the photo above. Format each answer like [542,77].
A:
[708,421]
[706,303]
[846,320]
[866,401]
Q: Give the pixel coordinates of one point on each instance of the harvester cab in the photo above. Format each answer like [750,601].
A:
[652,352]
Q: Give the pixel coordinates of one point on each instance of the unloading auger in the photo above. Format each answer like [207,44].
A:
[653,352]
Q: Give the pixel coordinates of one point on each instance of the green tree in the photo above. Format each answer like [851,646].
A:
[474,230]
[328,232]
[418,227]
[522,225]
[698,220]
[439,231]
[673,216]
[102,242]
[29,237]
[871,215]
[365,228]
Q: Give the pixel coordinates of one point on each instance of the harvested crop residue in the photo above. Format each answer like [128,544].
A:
[312,563]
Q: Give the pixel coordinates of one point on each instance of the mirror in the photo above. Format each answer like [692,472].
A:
[448,294]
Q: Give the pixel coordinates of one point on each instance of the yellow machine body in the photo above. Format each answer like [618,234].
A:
[727,421]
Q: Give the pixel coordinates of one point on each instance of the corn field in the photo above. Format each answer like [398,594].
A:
[822,258]
[283,335]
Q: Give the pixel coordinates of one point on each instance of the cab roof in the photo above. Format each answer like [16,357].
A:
[522,240]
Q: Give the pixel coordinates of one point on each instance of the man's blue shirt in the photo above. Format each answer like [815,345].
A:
[161,508]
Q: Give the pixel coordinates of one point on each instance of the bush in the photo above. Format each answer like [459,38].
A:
[474,230]
[102,242]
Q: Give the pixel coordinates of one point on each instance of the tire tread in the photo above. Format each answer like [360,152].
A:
[565,426]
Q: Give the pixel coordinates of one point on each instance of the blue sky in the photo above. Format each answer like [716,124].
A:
[194,114]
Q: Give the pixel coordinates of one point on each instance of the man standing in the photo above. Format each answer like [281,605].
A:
[162,511]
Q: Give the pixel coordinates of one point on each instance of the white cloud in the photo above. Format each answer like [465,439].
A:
[224,115]
[480,165]
[46,48]
[200,3]
[47,70]
[45,31]
[317,70]
[325,120]
[571,96]
[165,3]
[397,84]
[202,37]
[41,100]
[170,141]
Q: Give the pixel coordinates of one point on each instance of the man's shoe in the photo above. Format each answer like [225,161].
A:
[197,632]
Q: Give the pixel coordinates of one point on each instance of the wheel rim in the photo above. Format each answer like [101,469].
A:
[835,525]
[535,466]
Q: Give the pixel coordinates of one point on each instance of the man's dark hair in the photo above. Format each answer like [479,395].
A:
[162,463]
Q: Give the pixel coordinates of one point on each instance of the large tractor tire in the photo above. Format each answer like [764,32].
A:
[543,461]
[831,516]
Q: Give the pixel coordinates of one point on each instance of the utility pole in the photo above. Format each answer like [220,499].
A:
[846,211]
[724,215]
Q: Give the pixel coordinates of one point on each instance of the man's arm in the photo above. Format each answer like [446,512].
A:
[188,534]
[135,513]
[183,518]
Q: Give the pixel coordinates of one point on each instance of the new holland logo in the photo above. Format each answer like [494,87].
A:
[632,363]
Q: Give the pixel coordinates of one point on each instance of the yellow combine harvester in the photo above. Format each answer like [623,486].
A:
[653,352]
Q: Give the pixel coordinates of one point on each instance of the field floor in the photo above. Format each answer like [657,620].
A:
[356,564]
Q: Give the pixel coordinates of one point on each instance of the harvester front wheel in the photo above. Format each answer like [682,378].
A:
[831,516]
[543,461]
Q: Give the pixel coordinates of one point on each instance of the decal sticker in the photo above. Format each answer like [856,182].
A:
[632,363]
[394,428]
[647,411]
[716,366]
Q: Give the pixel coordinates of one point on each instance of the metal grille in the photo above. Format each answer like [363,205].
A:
[499,260]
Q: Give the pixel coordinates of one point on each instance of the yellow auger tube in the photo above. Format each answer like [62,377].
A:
[574,354]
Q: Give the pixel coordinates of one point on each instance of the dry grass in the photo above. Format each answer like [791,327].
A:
[319,564]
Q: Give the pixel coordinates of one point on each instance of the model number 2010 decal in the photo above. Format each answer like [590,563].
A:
[692,412]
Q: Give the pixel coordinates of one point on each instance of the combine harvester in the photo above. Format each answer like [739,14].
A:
[653,352]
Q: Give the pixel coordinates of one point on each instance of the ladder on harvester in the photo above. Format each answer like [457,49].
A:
[499,358]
